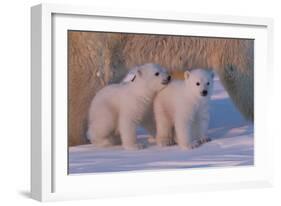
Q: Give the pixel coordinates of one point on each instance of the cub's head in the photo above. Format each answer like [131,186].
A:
[151,76]
[200,82]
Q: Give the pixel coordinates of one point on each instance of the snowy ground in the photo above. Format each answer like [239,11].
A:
[232,145]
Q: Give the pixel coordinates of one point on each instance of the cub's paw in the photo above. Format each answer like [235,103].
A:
[204,140]
[137,146]
[195,144]
[189,146]
[102,143]
[166,142]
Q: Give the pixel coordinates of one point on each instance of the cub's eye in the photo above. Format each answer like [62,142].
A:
[197,83]
[208,83]
[157,74]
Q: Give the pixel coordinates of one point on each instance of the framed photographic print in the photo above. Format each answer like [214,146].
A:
[138,102]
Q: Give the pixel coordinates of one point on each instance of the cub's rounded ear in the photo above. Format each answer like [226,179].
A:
[130,77]
[133,79]
[186,75]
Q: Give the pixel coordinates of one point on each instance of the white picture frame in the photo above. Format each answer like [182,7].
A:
[49,179]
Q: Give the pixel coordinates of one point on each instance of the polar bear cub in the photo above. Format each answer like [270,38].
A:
[117,109]
[181,110]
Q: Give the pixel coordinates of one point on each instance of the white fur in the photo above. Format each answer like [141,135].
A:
[117,109]
[181,112]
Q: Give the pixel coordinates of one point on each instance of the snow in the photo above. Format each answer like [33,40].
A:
[232,145]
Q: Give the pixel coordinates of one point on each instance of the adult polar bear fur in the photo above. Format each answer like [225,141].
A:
[181,110]
[117,109]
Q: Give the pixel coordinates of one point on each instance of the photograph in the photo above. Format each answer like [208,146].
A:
[139,102]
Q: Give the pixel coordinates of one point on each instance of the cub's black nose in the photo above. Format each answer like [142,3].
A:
[169,78]
[204,93]
[166,81]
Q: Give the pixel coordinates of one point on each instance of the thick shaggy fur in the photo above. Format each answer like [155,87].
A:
[182,111]
[96,59]
[117,109]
